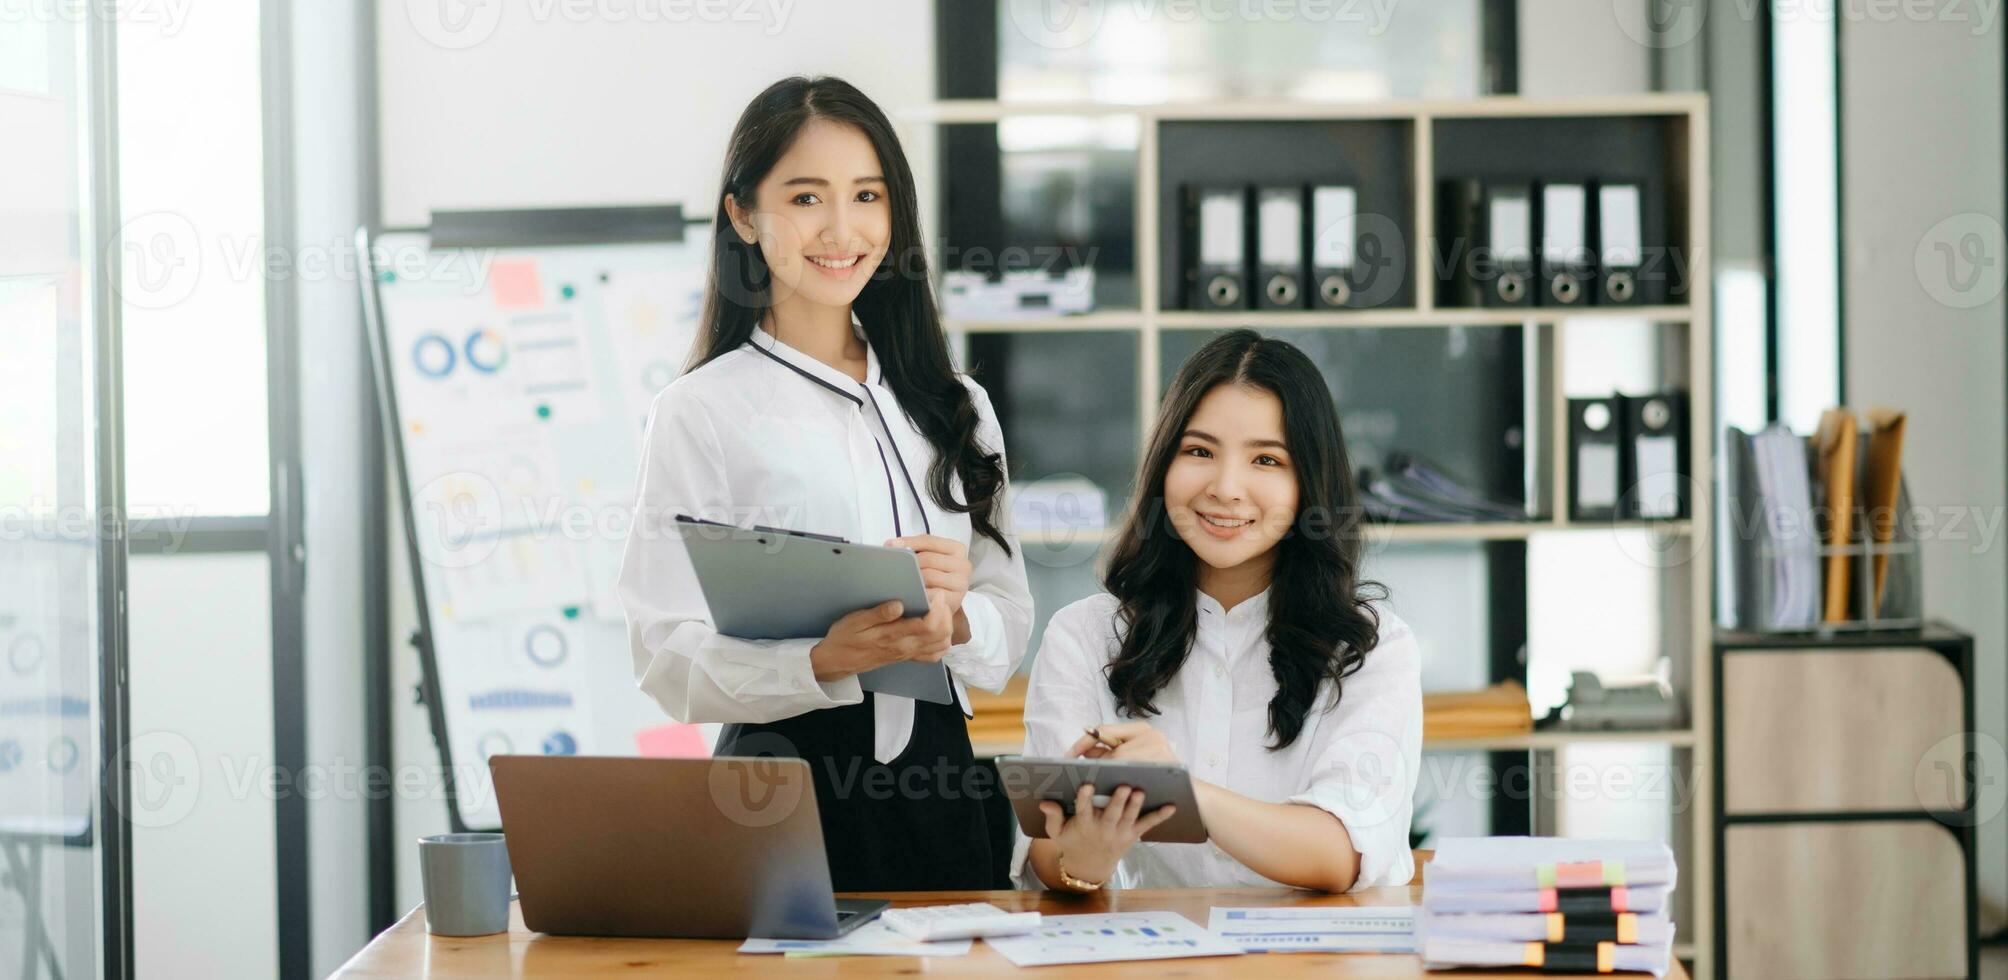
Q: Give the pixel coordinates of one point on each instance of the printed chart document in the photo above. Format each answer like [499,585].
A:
[870,939]
[1384,929]
[1110,937]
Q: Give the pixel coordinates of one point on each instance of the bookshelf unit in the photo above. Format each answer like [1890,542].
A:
[1410,146]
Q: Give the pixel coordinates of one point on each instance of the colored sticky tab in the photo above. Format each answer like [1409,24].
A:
[1556,929]
[1607,957]
[1579,874]
[1620,900]
[1534,954]
[1546,901]
[1628,928]
[672,741]
[513,283]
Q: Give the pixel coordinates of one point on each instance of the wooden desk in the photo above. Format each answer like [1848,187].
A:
[404,950]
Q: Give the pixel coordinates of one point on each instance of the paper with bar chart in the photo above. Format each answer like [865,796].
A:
[1111,937]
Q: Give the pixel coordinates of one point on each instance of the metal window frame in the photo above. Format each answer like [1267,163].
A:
[284,530]
[1499,47]
[379,738]
[112,821]
[278,533]
[169,536]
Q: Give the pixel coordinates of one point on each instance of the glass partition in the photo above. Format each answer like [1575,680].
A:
[57,850]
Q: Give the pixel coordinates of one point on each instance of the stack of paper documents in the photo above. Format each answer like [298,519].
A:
[1409,489]
[1554,904]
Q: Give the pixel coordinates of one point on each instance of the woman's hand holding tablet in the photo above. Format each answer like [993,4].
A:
[1090,841]
[1093,840]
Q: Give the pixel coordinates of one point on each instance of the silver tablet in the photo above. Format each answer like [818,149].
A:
[1027,781]
[769,584]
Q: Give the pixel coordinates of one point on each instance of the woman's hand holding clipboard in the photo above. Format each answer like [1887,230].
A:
[885,614]
[880,635]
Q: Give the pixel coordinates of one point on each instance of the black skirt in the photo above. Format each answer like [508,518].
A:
[915,824]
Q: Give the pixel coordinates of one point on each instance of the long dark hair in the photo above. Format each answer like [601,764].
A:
[1321,621]
[896,306]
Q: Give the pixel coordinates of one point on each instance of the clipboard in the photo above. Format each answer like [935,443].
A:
[764,583]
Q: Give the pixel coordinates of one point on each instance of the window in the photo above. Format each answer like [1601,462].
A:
[59,848]
[1805,189]
[194,264]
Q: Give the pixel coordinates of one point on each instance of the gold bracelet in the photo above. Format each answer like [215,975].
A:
[1075,883]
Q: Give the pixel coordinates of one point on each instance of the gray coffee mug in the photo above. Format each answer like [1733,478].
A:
[466,879]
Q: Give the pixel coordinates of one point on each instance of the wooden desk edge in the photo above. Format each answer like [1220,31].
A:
[405,950]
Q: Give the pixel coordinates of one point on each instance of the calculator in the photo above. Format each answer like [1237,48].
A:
[934,923]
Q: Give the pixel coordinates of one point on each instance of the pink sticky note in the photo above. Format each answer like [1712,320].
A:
[672,741]
[514,283]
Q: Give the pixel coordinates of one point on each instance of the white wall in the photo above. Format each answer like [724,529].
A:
[612,111]
[1577,48]
[513,112]
[1922,144]
[204,868]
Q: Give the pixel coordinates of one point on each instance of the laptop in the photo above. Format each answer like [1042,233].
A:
[722,848]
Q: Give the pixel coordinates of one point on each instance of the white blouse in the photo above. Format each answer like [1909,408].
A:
[747,439]
[1358,762]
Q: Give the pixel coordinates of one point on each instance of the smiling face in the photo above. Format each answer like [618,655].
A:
[1231,491]
[820,216]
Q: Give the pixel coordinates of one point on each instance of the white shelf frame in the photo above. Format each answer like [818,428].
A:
[1428,533]
[1688,189]
[1533,741]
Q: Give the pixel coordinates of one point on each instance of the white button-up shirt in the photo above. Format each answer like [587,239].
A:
[746,440]
[1357,762]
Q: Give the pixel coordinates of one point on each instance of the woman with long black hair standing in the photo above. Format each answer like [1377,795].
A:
[822,398]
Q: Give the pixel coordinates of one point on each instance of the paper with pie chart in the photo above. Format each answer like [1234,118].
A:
[48,654]
[520,382]
[47,781]
[652,318]
[522,684]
